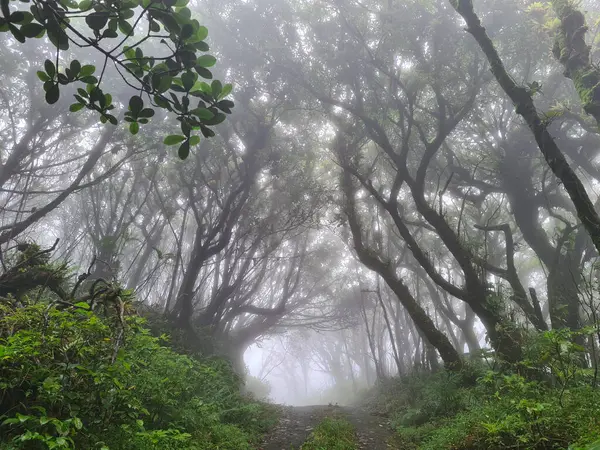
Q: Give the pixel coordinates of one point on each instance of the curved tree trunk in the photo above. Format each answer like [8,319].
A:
[523,100]
[372,261]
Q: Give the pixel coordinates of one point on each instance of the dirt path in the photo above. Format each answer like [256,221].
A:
[296,423]
[373,432]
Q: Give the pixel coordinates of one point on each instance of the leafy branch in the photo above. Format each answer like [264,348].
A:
[170,80]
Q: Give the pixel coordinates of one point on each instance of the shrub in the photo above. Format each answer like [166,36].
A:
[67,383]
[257,388]
[547,401]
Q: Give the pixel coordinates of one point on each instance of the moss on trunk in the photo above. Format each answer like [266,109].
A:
[573,53]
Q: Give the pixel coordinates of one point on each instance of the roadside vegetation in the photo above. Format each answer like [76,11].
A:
[332,433]
[546,402]
[73,377]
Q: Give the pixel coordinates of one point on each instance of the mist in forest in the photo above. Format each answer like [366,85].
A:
[374,203]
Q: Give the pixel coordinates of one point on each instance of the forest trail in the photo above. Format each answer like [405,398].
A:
[297,422]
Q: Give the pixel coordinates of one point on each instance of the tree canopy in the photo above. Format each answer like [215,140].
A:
[156,47]
[403,189]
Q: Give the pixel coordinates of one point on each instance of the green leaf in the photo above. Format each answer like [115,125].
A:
[76,107]
[184,150]
[207,132]
[17,17]
[164,84]
[203,113]
[32,30]
[226,90]
[206,61]
[136,104]
[87,70]
[202,86]
[97,20]
[187,31]
[129,52]
[173,139]
[168,20]
[184,13]
[89,80]
[43,76]
[75,67]
[126,14]
[57,35]
[5,9]
[146,112]
[44,420]
[134,128]
[10,421]
[204,72]
[82,305]
[188,79]
[201,33]
[194,140]
[16,33]
[77,423]
[85,5]
[112,119]
[162,102]
[186,128]
[202,46]
[225,105]
[110,34]
[217,87]
[125,28]
[219,117]
[154,26]
[53,94]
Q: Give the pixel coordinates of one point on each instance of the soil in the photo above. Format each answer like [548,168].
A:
[296,423]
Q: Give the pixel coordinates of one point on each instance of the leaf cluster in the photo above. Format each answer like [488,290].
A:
[121,32]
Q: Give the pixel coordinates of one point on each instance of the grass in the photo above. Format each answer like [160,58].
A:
[332,433]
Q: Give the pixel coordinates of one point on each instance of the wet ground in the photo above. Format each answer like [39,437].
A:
[297,422]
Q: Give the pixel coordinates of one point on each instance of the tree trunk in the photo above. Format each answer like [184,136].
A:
[370,259]
[523,100]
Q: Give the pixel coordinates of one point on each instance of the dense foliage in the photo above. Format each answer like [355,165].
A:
[64,387]
[548,402]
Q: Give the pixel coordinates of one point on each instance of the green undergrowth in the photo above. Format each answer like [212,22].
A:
[67,380]
[547,402]
[332,433]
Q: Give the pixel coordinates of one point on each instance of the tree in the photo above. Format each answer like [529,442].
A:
[522,97]
[385,269]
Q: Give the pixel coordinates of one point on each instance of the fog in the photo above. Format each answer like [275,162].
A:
[375,201]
